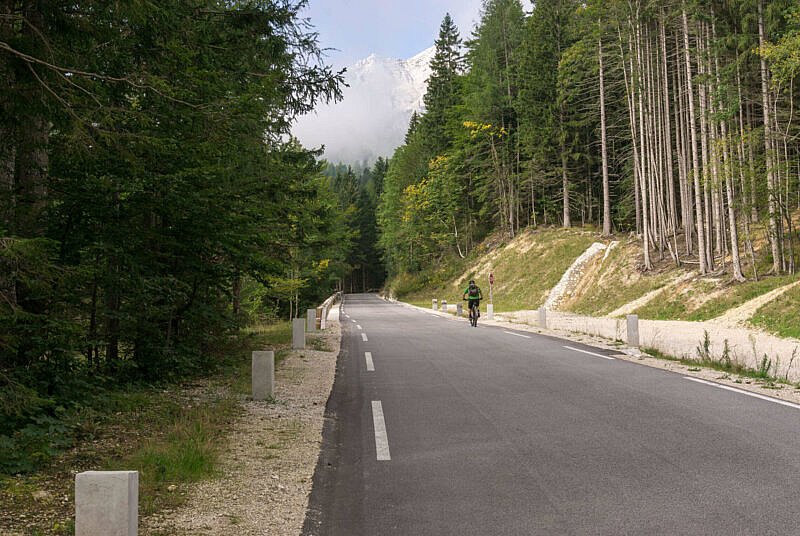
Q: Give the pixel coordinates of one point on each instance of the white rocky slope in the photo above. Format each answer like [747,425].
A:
[373,117]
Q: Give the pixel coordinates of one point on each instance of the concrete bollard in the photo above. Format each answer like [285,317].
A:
[107,503]
[443,305]
[311,323]
[459,309]
[542,317]
[435,305]
[323,319]
[490,311]
[263,374]
[633,330]
[298,333]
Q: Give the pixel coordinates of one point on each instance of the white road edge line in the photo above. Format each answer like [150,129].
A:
[364,337]
[516,334]
[743,392]
[370,364]
[381,438]
[590,353]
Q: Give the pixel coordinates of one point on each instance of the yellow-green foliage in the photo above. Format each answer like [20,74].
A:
[525,270]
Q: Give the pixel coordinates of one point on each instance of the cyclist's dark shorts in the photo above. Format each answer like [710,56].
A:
[470,302]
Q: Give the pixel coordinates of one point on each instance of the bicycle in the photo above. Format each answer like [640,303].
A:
[474,312]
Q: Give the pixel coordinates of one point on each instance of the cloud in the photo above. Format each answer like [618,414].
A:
[373,117]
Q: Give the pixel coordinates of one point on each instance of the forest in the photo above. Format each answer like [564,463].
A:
[152,201]
[674,120]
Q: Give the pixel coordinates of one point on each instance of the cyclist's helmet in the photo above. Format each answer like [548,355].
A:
[471,281]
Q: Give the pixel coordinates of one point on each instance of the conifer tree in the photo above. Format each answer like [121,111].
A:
[442,94]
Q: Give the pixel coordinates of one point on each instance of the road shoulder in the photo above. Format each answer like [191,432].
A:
[268,464]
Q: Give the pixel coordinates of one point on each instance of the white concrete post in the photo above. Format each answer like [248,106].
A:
[323,321]
[298,333]
[542,317]
[490,311]
[107,503]
[311,324]
[443,306]
[633,330]
[459,309]
[435,305]
[263,374]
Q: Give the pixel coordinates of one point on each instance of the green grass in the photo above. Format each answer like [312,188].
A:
[723,365]
[732,295]
[613,288]
[673,305]
[782,316]
[271,335]
[186,451]
[317,343]
[737,294]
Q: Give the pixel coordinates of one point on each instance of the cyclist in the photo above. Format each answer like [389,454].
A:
[473,296]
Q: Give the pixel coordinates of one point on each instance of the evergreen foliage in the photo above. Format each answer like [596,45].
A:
[150,202]
[673,120]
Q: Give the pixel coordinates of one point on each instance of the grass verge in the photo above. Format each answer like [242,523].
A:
[781,316]
[727,365]
[172,434]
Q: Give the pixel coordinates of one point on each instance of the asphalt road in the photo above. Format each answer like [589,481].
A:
[492,432]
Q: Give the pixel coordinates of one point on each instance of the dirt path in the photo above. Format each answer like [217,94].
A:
[269,463]
[740,315]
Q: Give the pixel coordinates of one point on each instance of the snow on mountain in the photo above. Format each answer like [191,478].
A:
[373,117]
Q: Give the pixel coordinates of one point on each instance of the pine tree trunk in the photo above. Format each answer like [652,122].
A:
[564,176]
[700,226]
[31,156]
[683,162]
[644,175]
[604,145]
[667,125]
[704,146]
[736,263]
[774,239]
[7,165]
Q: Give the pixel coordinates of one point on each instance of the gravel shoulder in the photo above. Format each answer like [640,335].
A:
[268,464]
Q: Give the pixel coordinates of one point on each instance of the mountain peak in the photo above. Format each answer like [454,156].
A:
[372,118]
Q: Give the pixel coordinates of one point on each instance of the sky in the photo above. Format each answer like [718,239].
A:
[389,28]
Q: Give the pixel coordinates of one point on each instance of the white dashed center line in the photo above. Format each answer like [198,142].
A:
[364,337]
[370,364]
[590,353]
[381,438]
[742,392]
[359,327]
